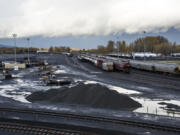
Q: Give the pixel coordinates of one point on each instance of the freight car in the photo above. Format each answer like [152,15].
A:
[107,66]
[79,57]
[83,58]
[156,67]
[122,65]
[99,63]
[107,63]
[104,63]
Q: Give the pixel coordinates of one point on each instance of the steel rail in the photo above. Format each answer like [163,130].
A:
[154,126]
[36,130]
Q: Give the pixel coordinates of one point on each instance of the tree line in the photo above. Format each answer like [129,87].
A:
[19,50]
[154,44]
[59,49]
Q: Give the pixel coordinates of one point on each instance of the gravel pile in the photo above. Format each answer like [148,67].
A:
[93,95]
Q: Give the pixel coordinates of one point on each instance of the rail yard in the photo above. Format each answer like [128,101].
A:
[89,67]
[83,90]
[112,64]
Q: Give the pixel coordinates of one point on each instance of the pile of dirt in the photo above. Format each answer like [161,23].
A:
[93,95]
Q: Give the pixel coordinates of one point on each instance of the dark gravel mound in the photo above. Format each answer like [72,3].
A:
[93,95]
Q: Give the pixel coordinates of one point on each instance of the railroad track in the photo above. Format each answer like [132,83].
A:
[160,76]
[35,130]
[144,77]
[150,125]
[147,79]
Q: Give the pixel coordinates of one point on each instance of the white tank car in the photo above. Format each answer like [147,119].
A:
[95,62]
[167,68]
[156,67]
[142,65]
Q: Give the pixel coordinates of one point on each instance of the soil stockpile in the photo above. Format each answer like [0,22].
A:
[93,95]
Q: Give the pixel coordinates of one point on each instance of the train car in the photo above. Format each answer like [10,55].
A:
[91,60]
[82,58]
[167,68]
[156,67]
[69,54]
[108,66]
[122,65]
[79,57]
[149,66]
[99,63]
[95,62]
[175,54]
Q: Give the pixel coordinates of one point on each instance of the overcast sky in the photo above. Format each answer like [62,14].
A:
[92,21]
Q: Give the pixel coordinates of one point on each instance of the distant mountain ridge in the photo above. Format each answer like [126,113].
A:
[6,46]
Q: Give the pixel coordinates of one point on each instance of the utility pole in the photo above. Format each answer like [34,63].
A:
[28,40]
[14,37]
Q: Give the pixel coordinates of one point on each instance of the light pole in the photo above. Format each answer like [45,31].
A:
[144,46]
[172,45]
[14,37]
[118,45]
[28,40]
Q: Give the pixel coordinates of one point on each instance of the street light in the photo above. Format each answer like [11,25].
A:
[14,36]
[118,45]
[144,45]
[28,40]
